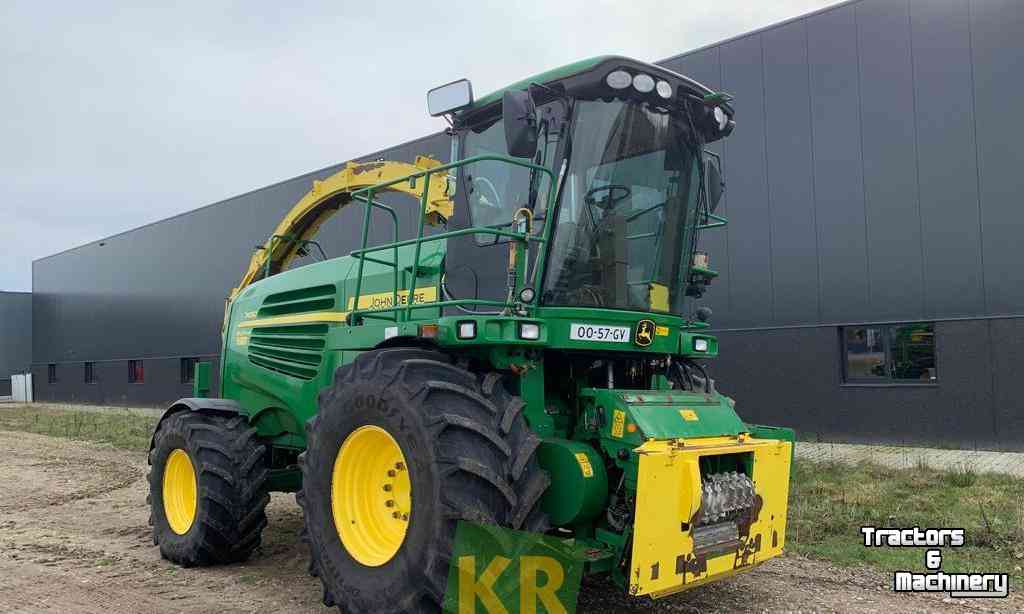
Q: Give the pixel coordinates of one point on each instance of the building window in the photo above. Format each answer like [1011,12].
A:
[889,353]
[188,370]
[90,373]
[136,374]
[51,373]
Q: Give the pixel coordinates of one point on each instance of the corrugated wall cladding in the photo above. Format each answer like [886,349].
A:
[874,174]
[15,335]
[159,290]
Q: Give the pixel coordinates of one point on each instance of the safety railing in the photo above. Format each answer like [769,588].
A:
[397,312]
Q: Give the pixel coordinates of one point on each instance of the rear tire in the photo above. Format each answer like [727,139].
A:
[469,454]
[218,515]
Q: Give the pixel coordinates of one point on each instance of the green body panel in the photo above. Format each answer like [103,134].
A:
[545,77]
[575,68]
[201,380]
[660,414]
[279,403]
[781,433]
[579,488]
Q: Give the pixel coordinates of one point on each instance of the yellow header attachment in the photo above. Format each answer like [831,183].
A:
[671,552]
[333,193]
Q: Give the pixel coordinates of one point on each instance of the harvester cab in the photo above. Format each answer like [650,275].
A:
[528,355]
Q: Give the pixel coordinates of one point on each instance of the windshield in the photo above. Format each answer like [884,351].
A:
[626,221]
[494,189]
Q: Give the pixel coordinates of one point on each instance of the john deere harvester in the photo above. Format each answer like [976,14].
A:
[524,353]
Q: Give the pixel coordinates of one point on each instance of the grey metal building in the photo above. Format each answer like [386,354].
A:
[15,337]
[871,286]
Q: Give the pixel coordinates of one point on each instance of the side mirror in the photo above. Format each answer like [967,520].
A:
[520,117]
[449,97]
[714,183]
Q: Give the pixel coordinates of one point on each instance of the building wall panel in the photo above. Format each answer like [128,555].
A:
[793,227]
[15,335]
[750,246]
[947,160]
[997,29]
[838,167]
[793,377]
[890,166]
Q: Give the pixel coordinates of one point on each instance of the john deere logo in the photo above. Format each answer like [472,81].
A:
[644,333]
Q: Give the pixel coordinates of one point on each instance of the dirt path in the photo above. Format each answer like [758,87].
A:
[74,538]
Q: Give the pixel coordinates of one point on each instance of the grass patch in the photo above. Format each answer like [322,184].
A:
[120,428]
[829,502]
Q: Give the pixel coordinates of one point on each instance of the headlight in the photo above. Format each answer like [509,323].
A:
[700,345]
[664,89]
[467,330]
[618,80]
[529,331]
[721,118]
[643,83]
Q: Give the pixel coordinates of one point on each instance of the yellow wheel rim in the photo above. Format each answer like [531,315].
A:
[179,491]
[371,495]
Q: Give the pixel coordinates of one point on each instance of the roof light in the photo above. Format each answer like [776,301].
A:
[721,118]
[618,79]
[643,83]
[664,89]
[527,294]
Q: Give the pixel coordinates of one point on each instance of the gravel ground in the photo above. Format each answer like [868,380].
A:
[74,538]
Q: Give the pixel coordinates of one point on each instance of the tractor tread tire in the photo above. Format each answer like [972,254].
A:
[471,456]
[231,482]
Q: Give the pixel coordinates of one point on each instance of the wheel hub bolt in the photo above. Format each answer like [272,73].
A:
[400,466]
[391,473]
[389,503]
[387,488]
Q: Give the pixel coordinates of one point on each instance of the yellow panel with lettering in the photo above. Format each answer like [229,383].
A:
[618,423]
[585,466]
[384,300]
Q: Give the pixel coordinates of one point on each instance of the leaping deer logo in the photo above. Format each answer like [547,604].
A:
[644,333]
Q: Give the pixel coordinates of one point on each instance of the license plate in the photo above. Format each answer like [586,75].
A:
[599,332]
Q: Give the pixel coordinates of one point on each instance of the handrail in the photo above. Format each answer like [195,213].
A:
[367,194]
[719,221]
[394,218]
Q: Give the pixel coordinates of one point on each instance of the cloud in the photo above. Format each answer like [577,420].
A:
[119,116]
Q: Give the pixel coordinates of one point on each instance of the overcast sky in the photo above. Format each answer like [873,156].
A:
[113,117]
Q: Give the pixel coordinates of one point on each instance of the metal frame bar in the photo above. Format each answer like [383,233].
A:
[366,195]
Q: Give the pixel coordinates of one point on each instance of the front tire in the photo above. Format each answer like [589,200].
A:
[207,487]
[456,439]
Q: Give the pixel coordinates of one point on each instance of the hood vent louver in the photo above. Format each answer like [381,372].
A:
[303,300]
[295,350]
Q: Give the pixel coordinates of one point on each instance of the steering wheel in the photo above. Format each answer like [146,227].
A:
[496,203]
[615,194]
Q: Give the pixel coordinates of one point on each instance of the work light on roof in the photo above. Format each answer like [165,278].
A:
[664,89]
[721,118]
[618,79]
[643,83]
